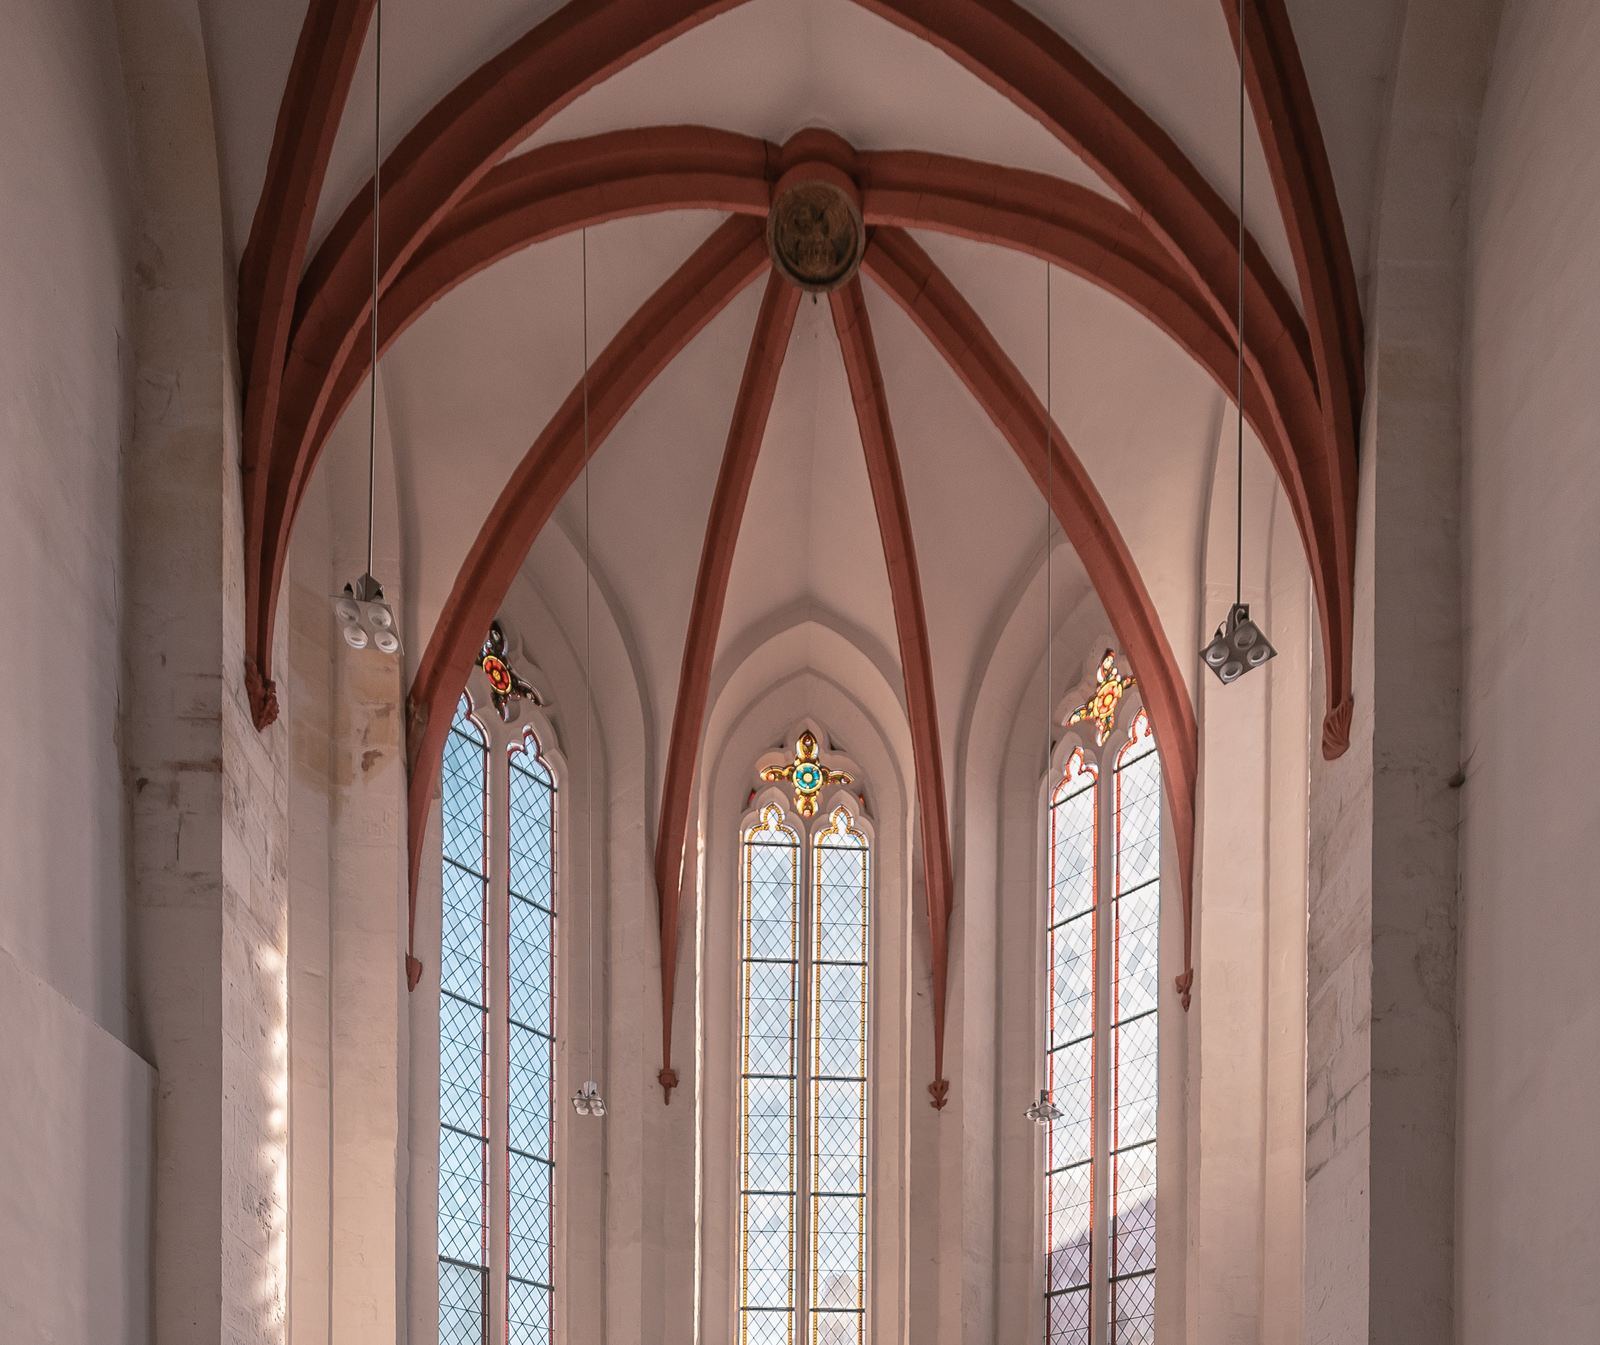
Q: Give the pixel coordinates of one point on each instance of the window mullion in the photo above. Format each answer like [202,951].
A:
[1105,955]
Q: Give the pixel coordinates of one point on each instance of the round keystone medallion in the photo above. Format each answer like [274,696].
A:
[498,674]
[808,777]
[815,235]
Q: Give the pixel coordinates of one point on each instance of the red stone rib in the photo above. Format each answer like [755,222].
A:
[909,276]
[722,266]
[1023,58]
[314,96]
[1302,178]
[768,346]
[440,160]
[911,629]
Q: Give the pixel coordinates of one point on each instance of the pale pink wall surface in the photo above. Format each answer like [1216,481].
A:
[65,252]
[1529,1194]
[75,1100]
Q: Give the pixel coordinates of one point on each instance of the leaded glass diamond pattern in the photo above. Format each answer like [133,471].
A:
[1067,1318]
[1133,1099]
[1133,1222]
[529,1230]
[463,1304]
[1100,1259]
[1133,1310]
[770,951]
[530,1313]
[530,1046]
[769,1139]
[533,966]
[817,994]
[1138,814]
[1069,1206]
[461,1062]
[1072,845]
[1072,979]
[463,1036]
[1138,974]
[773,1327]
[463,1162]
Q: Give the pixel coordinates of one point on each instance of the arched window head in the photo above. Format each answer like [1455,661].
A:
[1103,889]
[497,1038]
[805,913]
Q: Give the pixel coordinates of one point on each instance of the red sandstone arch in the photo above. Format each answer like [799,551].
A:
[769,343]
[1302,177]
[475,125]
[502,102]
[562,187]
[854,330]
[269,270]
[1173,255]
[1027,61]
[696,292]
[908,275]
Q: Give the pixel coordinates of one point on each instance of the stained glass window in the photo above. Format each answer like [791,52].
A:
[1070,1051]
[497,1095]
[837,1240]
[804,954]
[1102,997]
[1135,992]
[463,1036]
[530,1048]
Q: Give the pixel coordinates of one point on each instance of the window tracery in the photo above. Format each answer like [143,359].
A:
[1101,1000]
[805,916]
[497,1039]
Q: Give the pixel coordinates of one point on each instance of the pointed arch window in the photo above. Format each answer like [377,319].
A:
[805,915]
[497,1041]
[1103,894]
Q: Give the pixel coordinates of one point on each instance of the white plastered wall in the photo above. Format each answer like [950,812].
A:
[1528,1253]
[75,1114]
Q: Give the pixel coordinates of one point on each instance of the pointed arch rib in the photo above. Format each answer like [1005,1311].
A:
[768,345]
[854,329]
[324,64]
[909,276]
[1027,61]
[1302,177]
[479,122]
[543,194]
[694,294]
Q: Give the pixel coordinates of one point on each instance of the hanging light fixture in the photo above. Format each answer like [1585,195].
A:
[1239,644]
[365,619]
[1044,1113]
[587,1101]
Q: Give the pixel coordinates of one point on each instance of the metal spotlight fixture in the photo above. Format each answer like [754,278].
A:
[1043,1113]
[587,1100]
[1238,646]
[365,618]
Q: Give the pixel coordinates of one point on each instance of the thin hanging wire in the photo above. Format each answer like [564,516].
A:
[377,165]
[1238,536]
[588,710]
[1049,522]
[1049,694]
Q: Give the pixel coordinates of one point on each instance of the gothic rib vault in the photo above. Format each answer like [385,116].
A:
[458,198]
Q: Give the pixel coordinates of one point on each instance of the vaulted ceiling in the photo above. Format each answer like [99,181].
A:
[983,138]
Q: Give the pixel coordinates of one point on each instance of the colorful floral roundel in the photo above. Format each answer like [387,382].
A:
[806,773]
[498,674]
[1101,708]
[507,687]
